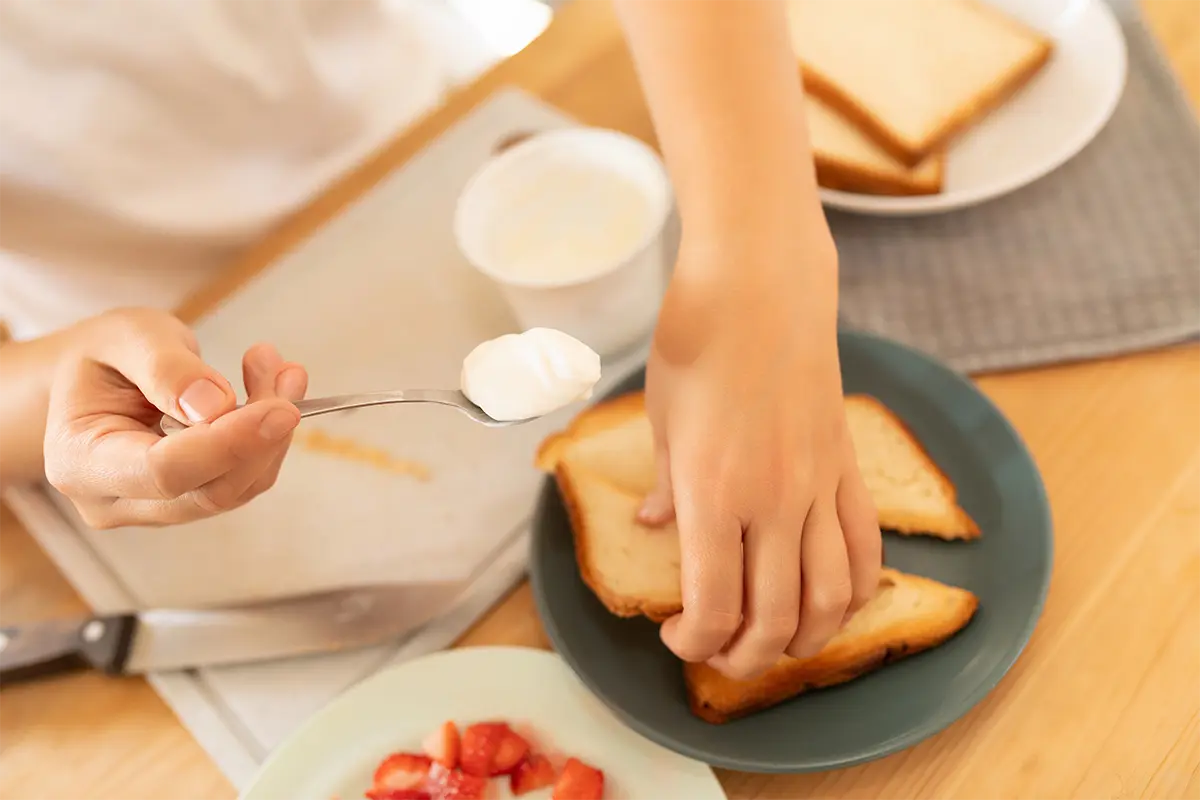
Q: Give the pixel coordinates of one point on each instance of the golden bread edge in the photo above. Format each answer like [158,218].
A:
[588,422]
[833,173]
[618,410]
[581,533]
[962,526]
[718,699]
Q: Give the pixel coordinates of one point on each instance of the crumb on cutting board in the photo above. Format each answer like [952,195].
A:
[317,441]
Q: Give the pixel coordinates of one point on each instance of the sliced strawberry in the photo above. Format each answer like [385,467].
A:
[480,743]
[443,745]
[402,771]
[538,743]
[450,784]
[579,781]
[398,794]
[510,754]
[535,772]
[529,734]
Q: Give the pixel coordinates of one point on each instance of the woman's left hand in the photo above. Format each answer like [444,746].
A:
[779,536]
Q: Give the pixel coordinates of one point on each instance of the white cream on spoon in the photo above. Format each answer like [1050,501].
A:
[524,375]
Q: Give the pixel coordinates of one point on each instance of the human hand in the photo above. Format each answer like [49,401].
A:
[124,370]
[780,542]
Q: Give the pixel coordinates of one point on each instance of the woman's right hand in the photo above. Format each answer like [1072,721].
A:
[124,370]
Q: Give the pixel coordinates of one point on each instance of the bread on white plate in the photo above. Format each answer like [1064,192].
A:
[850,161]
[913,74]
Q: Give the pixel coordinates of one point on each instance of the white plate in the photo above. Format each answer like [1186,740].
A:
[1046,124]
[336,752]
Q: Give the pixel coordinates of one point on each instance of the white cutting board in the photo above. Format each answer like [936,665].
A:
[380,298]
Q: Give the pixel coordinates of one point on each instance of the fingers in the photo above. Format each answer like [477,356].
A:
[711,571]
[184,461]
[659,506]
[157,353]
[864,545]
[112,456]
[825,587]
[772,600]
[266,376]
[163,492]
[261,365]
[291,384]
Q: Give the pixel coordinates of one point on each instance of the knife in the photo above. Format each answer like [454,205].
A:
[173,639]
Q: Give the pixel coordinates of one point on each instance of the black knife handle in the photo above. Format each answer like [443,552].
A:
[48,648]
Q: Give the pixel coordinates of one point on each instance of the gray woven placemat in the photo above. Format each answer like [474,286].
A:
[1100,257]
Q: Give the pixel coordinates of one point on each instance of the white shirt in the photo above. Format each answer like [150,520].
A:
[143,143]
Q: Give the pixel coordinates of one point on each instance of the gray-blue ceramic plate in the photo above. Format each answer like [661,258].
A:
[1008,568]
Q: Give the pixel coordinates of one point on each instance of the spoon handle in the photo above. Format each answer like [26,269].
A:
[325,405]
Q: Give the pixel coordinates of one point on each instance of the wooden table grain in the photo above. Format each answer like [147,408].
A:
[1105,702]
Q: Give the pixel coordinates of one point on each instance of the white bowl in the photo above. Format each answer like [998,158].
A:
[569,224]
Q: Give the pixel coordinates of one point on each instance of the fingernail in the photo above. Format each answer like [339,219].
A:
[276,424]
[202,400]
[290,383]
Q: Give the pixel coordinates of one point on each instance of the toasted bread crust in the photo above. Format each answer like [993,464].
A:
[619,410]
[913,153]
[588,422]
[833,173]
[718,699]
[960,526]
[617,604]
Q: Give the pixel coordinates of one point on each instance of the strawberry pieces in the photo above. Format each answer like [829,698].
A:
[443,745]
[536,772]
[579,781]
[398,794]
[458,766]
[480,744]
[446,784]
[510,754]
[402,771]
[491,748]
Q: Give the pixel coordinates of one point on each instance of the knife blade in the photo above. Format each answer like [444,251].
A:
[173,639]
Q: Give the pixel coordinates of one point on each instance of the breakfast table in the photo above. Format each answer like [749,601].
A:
[1105,700]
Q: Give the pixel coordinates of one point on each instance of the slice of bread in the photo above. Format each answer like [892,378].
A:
[848,160]
[613,440]
[908,615]
[632,569]
[912,74]
[912,495]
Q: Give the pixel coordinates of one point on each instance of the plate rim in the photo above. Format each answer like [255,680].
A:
[369,685]
[943,203]
[894,745]
[365,686]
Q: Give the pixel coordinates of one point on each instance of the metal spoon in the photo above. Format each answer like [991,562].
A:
[325,405]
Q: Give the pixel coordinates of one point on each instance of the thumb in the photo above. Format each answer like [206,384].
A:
[659,506]
[158,355]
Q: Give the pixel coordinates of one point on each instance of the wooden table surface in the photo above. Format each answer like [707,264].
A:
[1105,702]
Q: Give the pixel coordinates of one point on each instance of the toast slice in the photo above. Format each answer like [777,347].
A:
[912,74]
[912,495]
[613,440]
[908,615]
[848,160]
[632,569]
